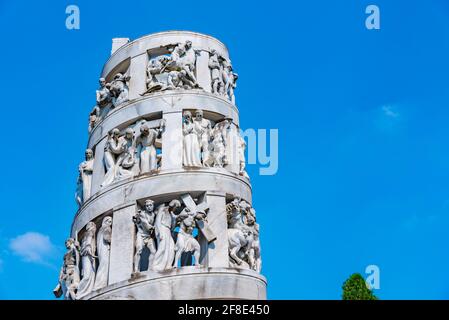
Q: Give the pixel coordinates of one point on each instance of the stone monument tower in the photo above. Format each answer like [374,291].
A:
[165,207]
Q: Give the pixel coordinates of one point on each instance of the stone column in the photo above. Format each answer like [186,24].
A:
[172,141]
[137,71]
[218,253]
[122,243]
[98,171]
[203,72]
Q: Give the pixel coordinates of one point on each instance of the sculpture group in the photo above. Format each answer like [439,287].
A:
[156,231]
[80,273]
[243,235]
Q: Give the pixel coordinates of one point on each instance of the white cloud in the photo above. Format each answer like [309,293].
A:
[389,112]
[33,247]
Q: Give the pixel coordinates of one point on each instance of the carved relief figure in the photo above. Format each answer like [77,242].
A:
[219,134]
[164,224]
[231,83]
[241,154]
[69,277]
[191,149]
[119,156]
[203,129]
[87,261]
[185,242]
[85,177]
[119,89]
[144,220]
[103,250]
[154,68]
[215,69]
[241,235]
[103,95]
[174,71]
[145,147]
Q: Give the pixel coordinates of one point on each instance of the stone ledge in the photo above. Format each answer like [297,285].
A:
[202,282]
[190,180]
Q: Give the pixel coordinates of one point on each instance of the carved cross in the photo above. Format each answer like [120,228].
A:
[203,226]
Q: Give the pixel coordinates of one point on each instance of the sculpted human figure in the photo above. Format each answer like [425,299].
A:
[154,68]
[241,146]
[87,261]
[215,68]
[103,250]
[119,156]
[94,116]
[144,221]
[69,277]
[219,143]
[185,241]
[119,89]
[127,158]
[164,224]
[203,129]
[103,95]
[191,150]
[240,235]
[146,149]
[85,175]
[189,61]
[231,83]
[111,150]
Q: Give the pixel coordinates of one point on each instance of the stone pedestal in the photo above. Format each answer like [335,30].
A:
[211,187]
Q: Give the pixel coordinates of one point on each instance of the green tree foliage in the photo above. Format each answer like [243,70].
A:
[355,289]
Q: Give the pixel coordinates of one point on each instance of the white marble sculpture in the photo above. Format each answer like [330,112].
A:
[69,276]
[176,71]
[215,69]
[185,242]
[165,254]
[219,134]
[241,146]
[85,177]
[119,156]
[191,148]
[88,261]
[230,83]
[146,147]
[144,221]
[242,236]
[119,89]
[203,129]
[103,250]
[103,94]
[154,69]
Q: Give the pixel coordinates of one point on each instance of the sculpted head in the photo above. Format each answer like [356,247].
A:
[115,133]
[199,114]
[129,133]
[107,222]
[102,82]
[149,205]
[187,116]
[174,204]
[89,154]
[91,226]
[213,52]
[144,130]
[69,243]
[188,44]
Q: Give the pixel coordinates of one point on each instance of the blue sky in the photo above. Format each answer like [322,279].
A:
[362,116]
